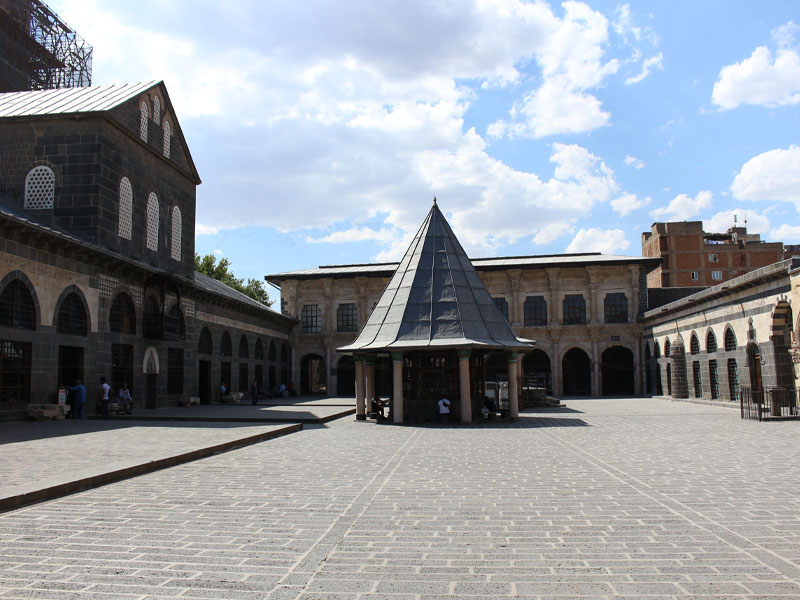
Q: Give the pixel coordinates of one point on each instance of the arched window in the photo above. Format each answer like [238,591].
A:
[694,344]
[244,348]
[667,347]
[167,138]
[730,340]
[152,222]
[156,109]
[271,355]
[72,318]
[176,232]
[259,350]
[225,346]
[205,345]
[17,309]
[711,342]
[122,317]
[40,187]
[176,314]
[143,115]
[125,208]
[284,353]
[656,349]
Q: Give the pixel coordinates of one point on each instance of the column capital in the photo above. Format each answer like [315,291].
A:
[359,357]
[464,353]
[397,356]
[512,356]
[370,358]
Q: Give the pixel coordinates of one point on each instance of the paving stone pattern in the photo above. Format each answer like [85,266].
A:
[645,499]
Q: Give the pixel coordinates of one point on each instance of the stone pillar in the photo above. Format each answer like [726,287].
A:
[513,390]
[556,365]
[397,376]
[361,413]
[595,369]
[463,377]
[638,379]
[370,376]
[520,357]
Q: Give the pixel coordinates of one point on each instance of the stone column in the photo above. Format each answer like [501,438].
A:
[552,309]
[638,371]
[361,414]
[595,369]
[520,357]
[463,377]
[397,376]
[513,390]
[556,366]
[370,376]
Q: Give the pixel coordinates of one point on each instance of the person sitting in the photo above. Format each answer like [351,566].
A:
[377,405]
[489,408]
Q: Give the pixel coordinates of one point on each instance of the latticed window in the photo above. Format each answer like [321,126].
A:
[667,347]
[694,345]
[656,350]
[156,109]
[143,116]
[167,138]
[176,233]
[122,317]
[15,372]
[225,346]
[711,342]
[72,316]
[347,317]
[16,307]
[616,308]
[244,348]
[176,316]
[205,345]
[574,309]
[311,319]
[730,340]
[125,208]
[152,222]
[174,370]
[40,187]
[535,310]
[502,306]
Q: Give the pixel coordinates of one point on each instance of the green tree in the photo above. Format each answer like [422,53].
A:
[208,265]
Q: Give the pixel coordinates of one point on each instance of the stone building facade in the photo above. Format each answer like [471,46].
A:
[583,311]
[97,207]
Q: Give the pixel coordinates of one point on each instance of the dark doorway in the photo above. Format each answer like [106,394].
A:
[537,371]
[312,375]
[754,362]
[426,378]
[577,373]
[260,376]
[346,377]
[271,378]
[151,390]
[384,379]
[70,365]
[243,376]
[617,372]
[204,381]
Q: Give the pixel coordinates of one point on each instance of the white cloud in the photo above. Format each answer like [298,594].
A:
[550,233]
[683,207]
[634,162]
[200,229]
[627,203]
[722,221]
[606,241]
[762,79]
[786,233]
[654,62]
[772,176]
[354,234]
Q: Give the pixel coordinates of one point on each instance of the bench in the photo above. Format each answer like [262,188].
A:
[48,412]
[189,401]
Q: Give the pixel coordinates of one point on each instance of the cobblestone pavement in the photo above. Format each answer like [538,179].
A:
[641,498]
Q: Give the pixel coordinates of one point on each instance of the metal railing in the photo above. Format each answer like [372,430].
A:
[769,403]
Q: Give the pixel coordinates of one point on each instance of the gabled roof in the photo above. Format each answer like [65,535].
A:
[435,299]
[69,100]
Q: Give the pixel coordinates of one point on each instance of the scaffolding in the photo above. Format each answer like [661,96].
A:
[39,50]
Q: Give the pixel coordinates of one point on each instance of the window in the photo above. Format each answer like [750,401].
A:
[174,370]
[167,138]
[502,306]
[284,352]
[694,276]
[259,350]
[125,208]
[176,233]
[716,275]
[271,354]
[711,342]
[713,258]
[535,309]
[226,347]
[694,345]
[16,307]
[347,317]
[574,310]
[205,345]
[311,319]
[122,317]
[697,380]
[143,114]
[152,222]
[616,308]
[730,340]
[175,325]
[156,109]
[15,372]
[40,188]
[72,316]
[667,347]
[244,348]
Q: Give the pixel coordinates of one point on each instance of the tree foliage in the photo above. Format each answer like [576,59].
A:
[208,265]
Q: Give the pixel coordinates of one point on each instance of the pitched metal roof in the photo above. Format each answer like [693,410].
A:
[435,300]
[69,100]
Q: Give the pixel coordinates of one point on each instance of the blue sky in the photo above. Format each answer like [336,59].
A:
[323,129]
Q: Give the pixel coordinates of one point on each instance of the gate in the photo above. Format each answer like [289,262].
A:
[769,404]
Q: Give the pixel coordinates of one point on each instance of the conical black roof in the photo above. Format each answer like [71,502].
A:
[435,299]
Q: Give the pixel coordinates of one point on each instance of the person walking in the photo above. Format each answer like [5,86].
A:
[105,396]
[80,399]
[254,391]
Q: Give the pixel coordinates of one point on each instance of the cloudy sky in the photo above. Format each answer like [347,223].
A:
[322,129]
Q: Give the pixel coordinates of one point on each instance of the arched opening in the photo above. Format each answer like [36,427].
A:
[71,320]
[537,372]
[17,308]
[205,345]
[174,324]
[244,348]
[312,374]
[754,365]
[271,355]
[781,338]
[577,373]
[680,384]
[616,364]
[733,367]
[17,311]
[122,316]
[346,377]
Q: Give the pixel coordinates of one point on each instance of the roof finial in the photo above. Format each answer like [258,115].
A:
[434,199]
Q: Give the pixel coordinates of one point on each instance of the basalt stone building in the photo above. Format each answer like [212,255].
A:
[97,211]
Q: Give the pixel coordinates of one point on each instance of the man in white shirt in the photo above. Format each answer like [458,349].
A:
[444,409]
[105,396]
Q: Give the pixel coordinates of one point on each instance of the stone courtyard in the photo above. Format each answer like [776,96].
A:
[628,498]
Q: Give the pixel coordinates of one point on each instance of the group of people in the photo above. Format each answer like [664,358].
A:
[105,395]
[277,391]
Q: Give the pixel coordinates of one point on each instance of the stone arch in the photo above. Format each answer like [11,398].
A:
[312,374]
[730,339]
[244,347]
[122,314]
[711,342]
[72,315]
[576,372]
[150,362]
[225,345]
[781,335]
[19,304]
[205,343]
[537,370]
[680,386]
[617,371]
[694,344]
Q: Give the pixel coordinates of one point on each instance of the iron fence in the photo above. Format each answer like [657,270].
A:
[769,403]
